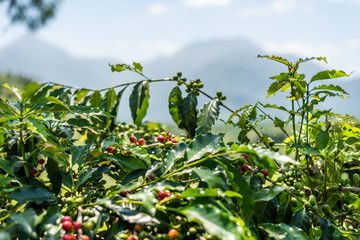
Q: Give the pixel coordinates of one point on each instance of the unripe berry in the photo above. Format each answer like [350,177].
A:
[67,226]
[133,139]
[141,141]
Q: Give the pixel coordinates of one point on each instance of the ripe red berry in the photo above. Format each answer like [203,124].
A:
[85,237]
[265,172]
[110,148]
[163,194]
[132,238]
[68,236]
[150,177]
[125,192]
[169,136]
[41,161]
[161,138]
[173,140]
[244,167]
[173,233]
[77,225]
[141,141]
[66,219]
[34,172]
[133,139]
[67,226]
[244,155]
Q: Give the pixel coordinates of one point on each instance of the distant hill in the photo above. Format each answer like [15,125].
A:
[227,65]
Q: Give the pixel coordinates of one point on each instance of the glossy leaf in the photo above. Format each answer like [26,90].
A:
[267,194]
[201,145]
[329,74]
[32,193]
[208,115]
[7,108]
[95,99]
[91,175]
[330,87]
[30,90]
[26,221]
[188,114]
[302,219]
[54,175]
[322,139]
[275,87]
[283,231]
[213,179]
[4,165]
[265,211]
[139,101]
[80,96]
[115,109]
[217,222]
[176,153]
[127,163]
[326,231]
[175,100]
[275,58]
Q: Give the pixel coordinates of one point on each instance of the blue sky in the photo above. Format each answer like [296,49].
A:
[145,29]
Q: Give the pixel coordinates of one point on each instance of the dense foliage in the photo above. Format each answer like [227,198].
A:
[71,171]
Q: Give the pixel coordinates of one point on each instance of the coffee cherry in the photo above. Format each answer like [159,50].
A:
[139,227]
[173,233]
[85,237]
[77,225]
[173,140]
[244,156]
[133,238]
[161,139]
[67,226]
[109,149]
[68,236]
[66,219]
[297,185]
[125,193]
[89,225]
[150,177]
[244,167]
[141,141]
[265,172]
[163,194]
[34,172]
[133,139]
[41,161]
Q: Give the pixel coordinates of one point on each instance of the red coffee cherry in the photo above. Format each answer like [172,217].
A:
[67,226]
[133,139]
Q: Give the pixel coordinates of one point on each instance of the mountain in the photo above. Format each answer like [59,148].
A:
[227,65]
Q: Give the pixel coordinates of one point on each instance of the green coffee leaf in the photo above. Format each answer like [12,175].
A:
[139,101]
[216,222]
[32,193]
[201,145]
[175,100]
[208,116]
[329,74]
[302,219]
[283,231]
[188,114]
[54,175]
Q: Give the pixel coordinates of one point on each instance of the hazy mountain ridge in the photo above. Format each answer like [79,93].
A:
[227,65]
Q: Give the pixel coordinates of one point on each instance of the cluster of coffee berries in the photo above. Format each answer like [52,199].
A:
[69,227]
[135,141]
[167,139]
[194,85]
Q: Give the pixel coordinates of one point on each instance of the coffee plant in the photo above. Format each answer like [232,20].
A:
[70,170]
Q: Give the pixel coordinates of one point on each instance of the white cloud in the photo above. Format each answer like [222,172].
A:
[157,9]
[275,7]
[206,3]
